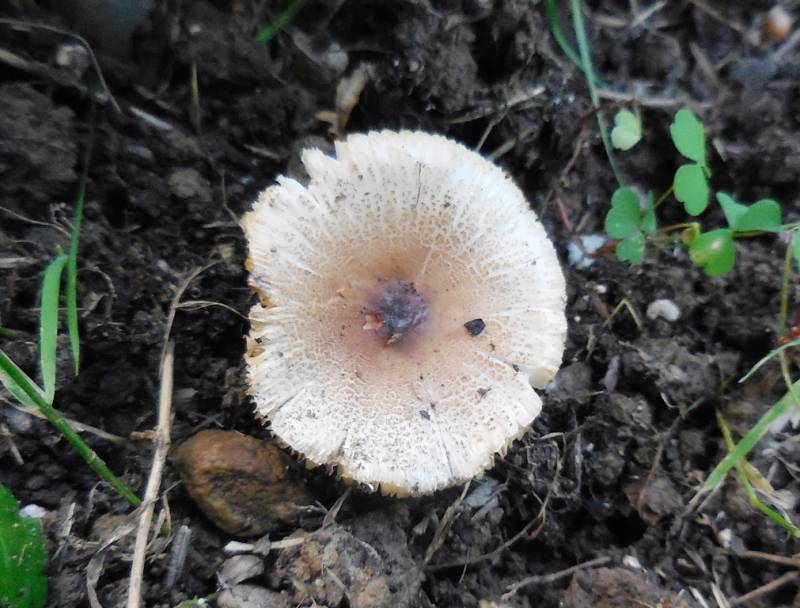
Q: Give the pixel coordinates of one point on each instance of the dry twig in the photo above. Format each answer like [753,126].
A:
[554,576]
[779,582]
[162,442]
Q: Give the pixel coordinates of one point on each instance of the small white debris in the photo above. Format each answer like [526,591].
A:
[724,537]
[632,562]
[581,258]
[666,309]
[234,547]
[73,57]
[34,511]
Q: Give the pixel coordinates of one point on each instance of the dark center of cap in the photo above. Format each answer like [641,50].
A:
[395,311]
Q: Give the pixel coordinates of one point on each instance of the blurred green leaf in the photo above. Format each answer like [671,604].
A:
[22,557]
[631,249]
[624,216]
[691,188]
[796,250]
[714,252]
[627,130]
[689,137]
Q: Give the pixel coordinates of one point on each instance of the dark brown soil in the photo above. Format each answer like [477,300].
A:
[629,431]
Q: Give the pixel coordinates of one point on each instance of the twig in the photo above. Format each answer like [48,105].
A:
[79,38]
[550,578]
[768,588]
[11,445]
[162,442]
[444,526]
[770,557]
[333,512]
[656,462]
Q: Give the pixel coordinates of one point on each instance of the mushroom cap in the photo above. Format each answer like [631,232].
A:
[412,209]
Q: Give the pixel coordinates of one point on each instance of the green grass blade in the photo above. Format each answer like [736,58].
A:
[773,353]
[72,259]
[558,34]
[281,21]
[9,375]
[14,376]
[744,479]
[48,325]
[752,437]
[588,70]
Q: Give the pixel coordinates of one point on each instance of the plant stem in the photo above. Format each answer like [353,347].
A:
[787,271]
[586,60]
[663,197]
[61,425]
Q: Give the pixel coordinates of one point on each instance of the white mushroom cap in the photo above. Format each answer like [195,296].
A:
[418,213]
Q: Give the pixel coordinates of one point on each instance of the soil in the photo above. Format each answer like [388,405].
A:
[629,430]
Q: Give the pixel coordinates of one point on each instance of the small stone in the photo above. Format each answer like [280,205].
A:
[188,183]
[245,486]
[666,309]
[778,23]
[252,596]
[34,511]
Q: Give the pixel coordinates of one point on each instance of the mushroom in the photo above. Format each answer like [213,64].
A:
[410,302]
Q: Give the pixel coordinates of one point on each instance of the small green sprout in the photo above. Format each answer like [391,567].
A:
[22,557]
[714,251]
[627,130]
[691,180]
[21,386]
[626,223]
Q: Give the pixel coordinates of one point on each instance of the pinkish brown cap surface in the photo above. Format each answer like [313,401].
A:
[410,304]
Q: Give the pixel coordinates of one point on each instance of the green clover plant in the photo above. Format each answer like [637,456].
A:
[631,224]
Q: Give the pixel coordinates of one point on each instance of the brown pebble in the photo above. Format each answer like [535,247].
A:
[245,486]
[778,23]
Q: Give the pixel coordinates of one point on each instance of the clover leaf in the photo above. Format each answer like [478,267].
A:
[631,249]
[689,136]
[626,223]
[625,215]
[764,215]
[627,130]
[691,188]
